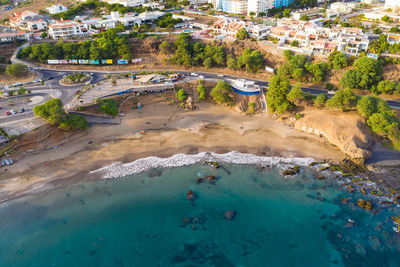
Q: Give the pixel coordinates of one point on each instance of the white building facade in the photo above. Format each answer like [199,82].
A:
[67,28]
[56,9]
[258,6]
[130,3]
[392,4]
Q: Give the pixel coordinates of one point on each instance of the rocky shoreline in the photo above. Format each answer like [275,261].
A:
[381,188]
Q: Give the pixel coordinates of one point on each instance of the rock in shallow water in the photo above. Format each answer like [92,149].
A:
[190,195]
[229,214]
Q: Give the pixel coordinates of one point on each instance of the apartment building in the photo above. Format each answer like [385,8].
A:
[56,9]
[130,3]
[234,6]
[282,3]
[309,12]
[36,25]
[28,20]
[258,6]
[392,4]
[352,45]
[6,37]
[229,27]
[67,29]
[313,38]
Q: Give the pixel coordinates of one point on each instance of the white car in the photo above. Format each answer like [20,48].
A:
[13,112]
[17,84]
[194,74]
[220,75]
[201,77]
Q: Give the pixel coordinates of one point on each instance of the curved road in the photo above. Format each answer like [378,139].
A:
[52,84]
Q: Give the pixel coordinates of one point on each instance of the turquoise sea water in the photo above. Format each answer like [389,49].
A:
[138,220]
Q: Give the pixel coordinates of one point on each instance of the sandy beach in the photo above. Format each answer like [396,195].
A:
[160,130]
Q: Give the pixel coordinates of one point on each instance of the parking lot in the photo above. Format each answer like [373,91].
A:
[21,104]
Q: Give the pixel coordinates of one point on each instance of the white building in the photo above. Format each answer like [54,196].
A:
[258,6]
[154,5]
[392,4]
[36,25]
[342,7]
[130,3]
[67,28]
[145,16]
[56,9]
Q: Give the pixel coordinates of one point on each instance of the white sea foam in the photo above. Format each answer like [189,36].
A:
[119,169]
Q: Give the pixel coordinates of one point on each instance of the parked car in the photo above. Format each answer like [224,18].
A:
[13,112]
[201,77]
[21,110]
[7,113]
[220,75]
[17,84]
[194,74]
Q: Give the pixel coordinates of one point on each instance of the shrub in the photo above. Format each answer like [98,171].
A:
[16,70]
[74,122]
[22,91]
[109,107]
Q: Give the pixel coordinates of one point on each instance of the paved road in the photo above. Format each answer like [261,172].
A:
[52,85]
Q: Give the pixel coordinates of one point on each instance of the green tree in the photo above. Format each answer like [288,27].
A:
[386,19]
[231,62]
[304,18]
[387,87]
[221,93]
[288,54]
[366,74]
[320,100]
[338,60]
[377,31]
[242,34]
[296,94]
[166,47]
[278,89]
[208,62]
[295,43]
[286,13]
[370,70]
[343,99]
[181,95]
[16,70]
[202,91]
[52,111]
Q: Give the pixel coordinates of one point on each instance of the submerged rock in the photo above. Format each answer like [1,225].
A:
[190,195]
[229,214]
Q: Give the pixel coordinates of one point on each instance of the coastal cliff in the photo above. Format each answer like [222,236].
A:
[347,131]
